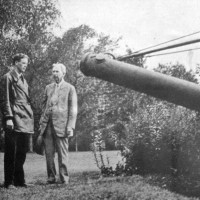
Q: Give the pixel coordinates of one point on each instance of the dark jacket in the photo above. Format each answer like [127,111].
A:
[15,102]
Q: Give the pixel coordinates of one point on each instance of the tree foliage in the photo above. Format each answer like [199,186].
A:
[26,27]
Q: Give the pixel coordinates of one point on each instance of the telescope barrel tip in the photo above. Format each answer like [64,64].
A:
[83,63]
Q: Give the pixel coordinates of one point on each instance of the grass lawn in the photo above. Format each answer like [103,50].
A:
[85,182]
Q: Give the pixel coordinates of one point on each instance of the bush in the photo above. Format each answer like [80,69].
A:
[164,139]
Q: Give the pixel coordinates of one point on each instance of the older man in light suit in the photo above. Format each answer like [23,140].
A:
[57,123]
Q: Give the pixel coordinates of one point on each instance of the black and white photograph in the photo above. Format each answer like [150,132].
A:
[100,99]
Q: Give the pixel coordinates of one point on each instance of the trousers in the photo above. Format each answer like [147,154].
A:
[16,147]
[53,143]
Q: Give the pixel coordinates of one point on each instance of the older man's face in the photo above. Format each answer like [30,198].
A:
[57,74]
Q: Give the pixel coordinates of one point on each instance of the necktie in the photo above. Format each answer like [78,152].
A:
[56,90]
[22,78]
[54,97]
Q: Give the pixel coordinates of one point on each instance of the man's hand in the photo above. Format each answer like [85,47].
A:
[39,148]
[9,124]
[69,132]
[39,140]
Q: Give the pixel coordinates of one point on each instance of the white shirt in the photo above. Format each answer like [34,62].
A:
[59,84]
[54,98]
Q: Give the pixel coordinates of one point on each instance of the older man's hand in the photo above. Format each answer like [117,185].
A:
[9,124]
[70,132]
[39,140]
[39,145]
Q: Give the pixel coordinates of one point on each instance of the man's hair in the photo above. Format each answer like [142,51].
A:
[61,66]
[17,57]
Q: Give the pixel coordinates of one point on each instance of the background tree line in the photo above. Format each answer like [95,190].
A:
[160,136]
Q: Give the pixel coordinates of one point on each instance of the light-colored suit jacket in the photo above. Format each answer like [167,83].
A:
[64,111]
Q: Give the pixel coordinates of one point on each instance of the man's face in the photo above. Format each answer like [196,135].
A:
[21,65]
[57,74]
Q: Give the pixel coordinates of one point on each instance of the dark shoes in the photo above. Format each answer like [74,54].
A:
[57,182]
[63,183]
[51,181]
[11,186]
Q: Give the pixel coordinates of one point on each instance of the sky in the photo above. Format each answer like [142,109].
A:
[141,23]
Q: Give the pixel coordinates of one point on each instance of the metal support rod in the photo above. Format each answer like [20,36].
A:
[159,49]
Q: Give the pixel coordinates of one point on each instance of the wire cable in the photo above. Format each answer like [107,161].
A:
[174,52]
[168,41]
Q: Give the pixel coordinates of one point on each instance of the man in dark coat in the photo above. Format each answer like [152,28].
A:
[18,121]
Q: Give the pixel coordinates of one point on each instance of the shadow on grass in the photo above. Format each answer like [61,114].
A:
[91,185]
[78,178]
[187,186]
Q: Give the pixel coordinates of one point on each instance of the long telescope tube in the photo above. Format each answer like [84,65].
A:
[155,84]
[159,49]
